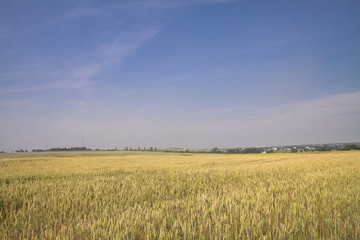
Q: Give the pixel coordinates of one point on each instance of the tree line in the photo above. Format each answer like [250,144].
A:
[62,149]
[321,148]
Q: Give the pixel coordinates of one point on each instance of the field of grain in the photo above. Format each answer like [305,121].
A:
[129,195]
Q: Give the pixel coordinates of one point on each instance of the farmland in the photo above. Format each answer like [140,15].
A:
[129,195]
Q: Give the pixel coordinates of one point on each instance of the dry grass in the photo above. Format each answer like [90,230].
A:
[124,195]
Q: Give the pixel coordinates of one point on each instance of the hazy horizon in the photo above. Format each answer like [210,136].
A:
[191,74]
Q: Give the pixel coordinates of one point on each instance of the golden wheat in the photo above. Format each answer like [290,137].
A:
[124,195]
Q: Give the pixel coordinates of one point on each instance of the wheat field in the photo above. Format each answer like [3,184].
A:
[134,195]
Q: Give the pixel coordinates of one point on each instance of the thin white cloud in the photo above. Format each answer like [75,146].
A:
[77,73]
[333,118]
[87,71]
[326,107]
[81,12]
[330,119]
[141,5]
[177,3]
[47,86]
[113,54]
[334,105]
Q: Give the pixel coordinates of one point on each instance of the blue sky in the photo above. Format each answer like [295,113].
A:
[192,74]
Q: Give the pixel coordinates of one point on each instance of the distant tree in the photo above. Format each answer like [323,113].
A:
[214,150]
[234,150]
[294,150]
[251,150]
[351,147]
[155,149]
[38,150]
[324,148]
[270,151]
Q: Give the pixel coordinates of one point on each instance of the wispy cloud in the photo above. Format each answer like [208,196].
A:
[81,12]
[79,72]
[178,3]
[333,118]
[47,86]
[327,107]
[332,106]
[165,4]
[116,51]
[86,71]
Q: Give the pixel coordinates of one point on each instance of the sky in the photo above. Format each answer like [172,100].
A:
[178,73]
